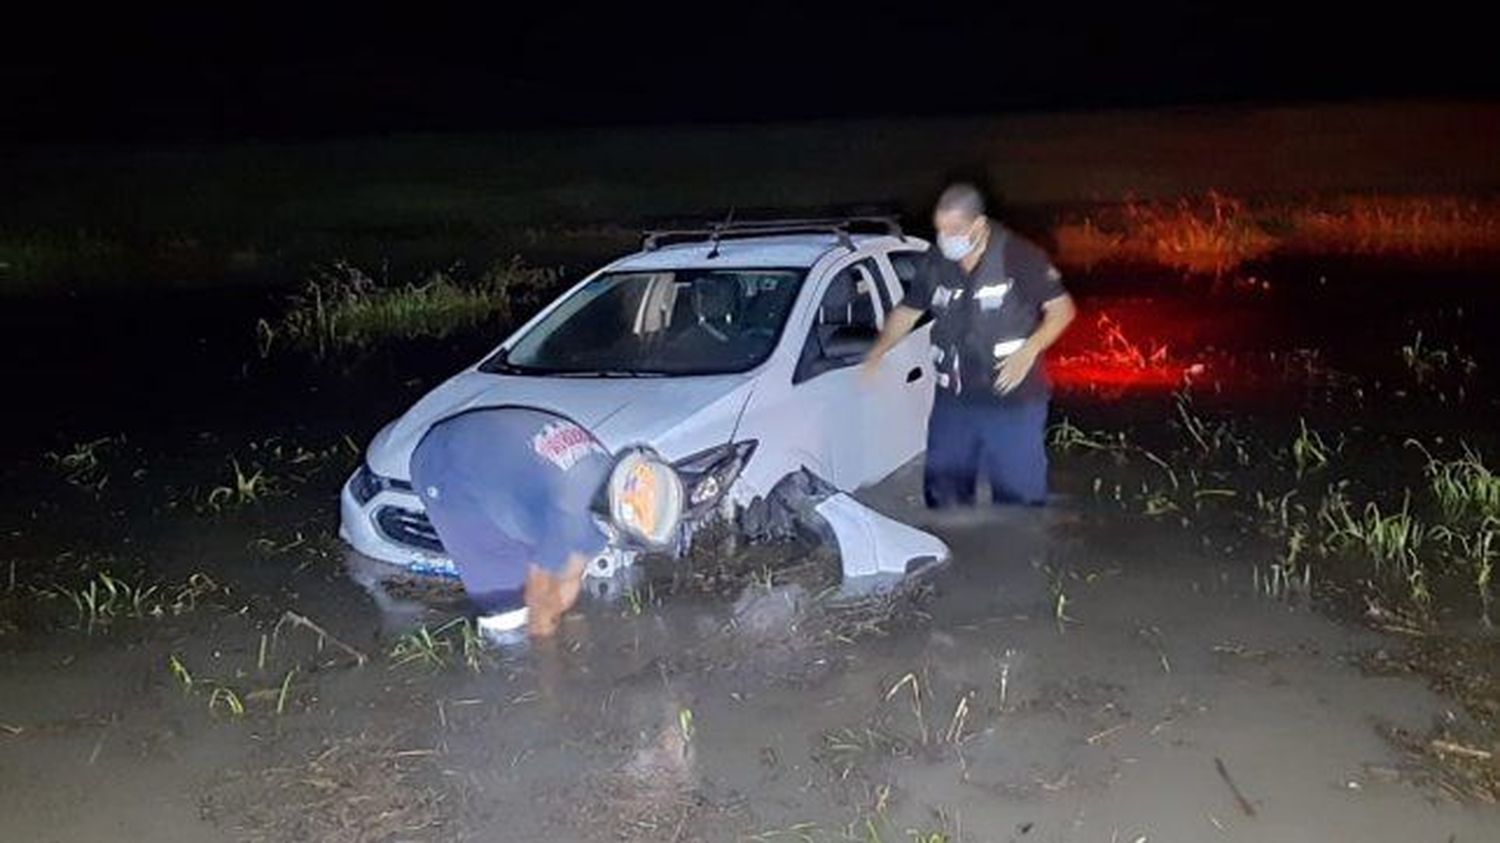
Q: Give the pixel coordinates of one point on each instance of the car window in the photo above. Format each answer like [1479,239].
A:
[664,322]
[906,265]
[868,274]
[845,325]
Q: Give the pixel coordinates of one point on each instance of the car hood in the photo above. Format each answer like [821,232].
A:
[675,415]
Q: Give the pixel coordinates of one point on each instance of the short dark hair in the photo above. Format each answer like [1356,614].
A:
[962,197]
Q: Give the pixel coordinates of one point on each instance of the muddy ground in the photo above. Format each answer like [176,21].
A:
[1127,665]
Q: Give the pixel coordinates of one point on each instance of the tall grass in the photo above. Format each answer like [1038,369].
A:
[1208,235]
[1478,547]
[1397,225]
[1214,233]
[1464,487]
[1390,539]
[341,307]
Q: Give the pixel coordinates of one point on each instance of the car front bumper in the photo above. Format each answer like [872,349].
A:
[391,527]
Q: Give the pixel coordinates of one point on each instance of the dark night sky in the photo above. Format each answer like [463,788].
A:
[259,72]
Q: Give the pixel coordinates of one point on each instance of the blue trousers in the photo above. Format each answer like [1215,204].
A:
[1004,442]
[507,487]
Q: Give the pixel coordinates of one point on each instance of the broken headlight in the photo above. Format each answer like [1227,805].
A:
[645,497]
[707,475]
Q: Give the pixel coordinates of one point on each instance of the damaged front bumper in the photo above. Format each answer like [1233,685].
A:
[383,521]
[874,550]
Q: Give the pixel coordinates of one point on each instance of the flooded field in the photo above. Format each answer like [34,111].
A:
[1210,635]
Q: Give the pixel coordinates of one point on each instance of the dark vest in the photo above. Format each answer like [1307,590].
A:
[981,317]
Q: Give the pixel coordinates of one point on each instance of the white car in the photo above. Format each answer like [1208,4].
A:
[733,352]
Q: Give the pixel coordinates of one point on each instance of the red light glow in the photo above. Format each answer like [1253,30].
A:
[1110,360]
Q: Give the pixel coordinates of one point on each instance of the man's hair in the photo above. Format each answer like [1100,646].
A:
[962,197]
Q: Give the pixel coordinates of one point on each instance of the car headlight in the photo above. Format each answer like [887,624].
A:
[645,497]
[366,484]
[707,475]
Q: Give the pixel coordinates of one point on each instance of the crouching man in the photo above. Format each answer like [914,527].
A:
[997,305]
[510,493]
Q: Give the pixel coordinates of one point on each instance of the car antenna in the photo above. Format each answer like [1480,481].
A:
[713,250]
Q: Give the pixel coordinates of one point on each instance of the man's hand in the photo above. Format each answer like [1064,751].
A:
[549,595]
[1012,370]
[897,326]
[1057,313]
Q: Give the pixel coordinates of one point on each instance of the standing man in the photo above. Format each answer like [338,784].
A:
[997,305]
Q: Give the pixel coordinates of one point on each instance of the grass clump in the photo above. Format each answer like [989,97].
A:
[1212,234]
[342,308]
[1066,437]
[105,598]
[1477,548]
[244,489]
[456,642]
[1463,487]
[82,465]
[1398,225]
[1426,361]
[1308,450]
[1390,539]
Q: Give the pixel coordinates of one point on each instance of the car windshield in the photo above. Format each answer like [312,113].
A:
[662,322]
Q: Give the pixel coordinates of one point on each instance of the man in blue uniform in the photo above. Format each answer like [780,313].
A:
[997,305]
[510,492]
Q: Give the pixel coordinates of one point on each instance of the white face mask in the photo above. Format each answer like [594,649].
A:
[955,247]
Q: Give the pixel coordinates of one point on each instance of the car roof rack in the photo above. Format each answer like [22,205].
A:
[713,233]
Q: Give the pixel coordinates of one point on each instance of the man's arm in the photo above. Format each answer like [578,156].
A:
[897,325]
[1057,313]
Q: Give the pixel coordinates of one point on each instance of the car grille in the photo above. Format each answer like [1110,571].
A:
[407,527]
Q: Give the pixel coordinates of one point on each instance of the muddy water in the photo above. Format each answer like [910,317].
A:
[1075,674]
[1097,716]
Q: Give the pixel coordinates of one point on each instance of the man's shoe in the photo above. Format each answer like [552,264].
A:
[504,627]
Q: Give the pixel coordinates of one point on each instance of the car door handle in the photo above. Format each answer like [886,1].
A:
[914,375]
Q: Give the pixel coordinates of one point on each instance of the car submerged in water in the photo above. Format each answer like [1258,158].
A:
[732,352]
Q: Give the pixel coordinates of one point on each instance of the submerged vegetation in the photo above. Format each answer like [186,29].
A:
[245,488]
[83,464]
[455,642]
[1426,547]
[1426,361]
[104,598]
